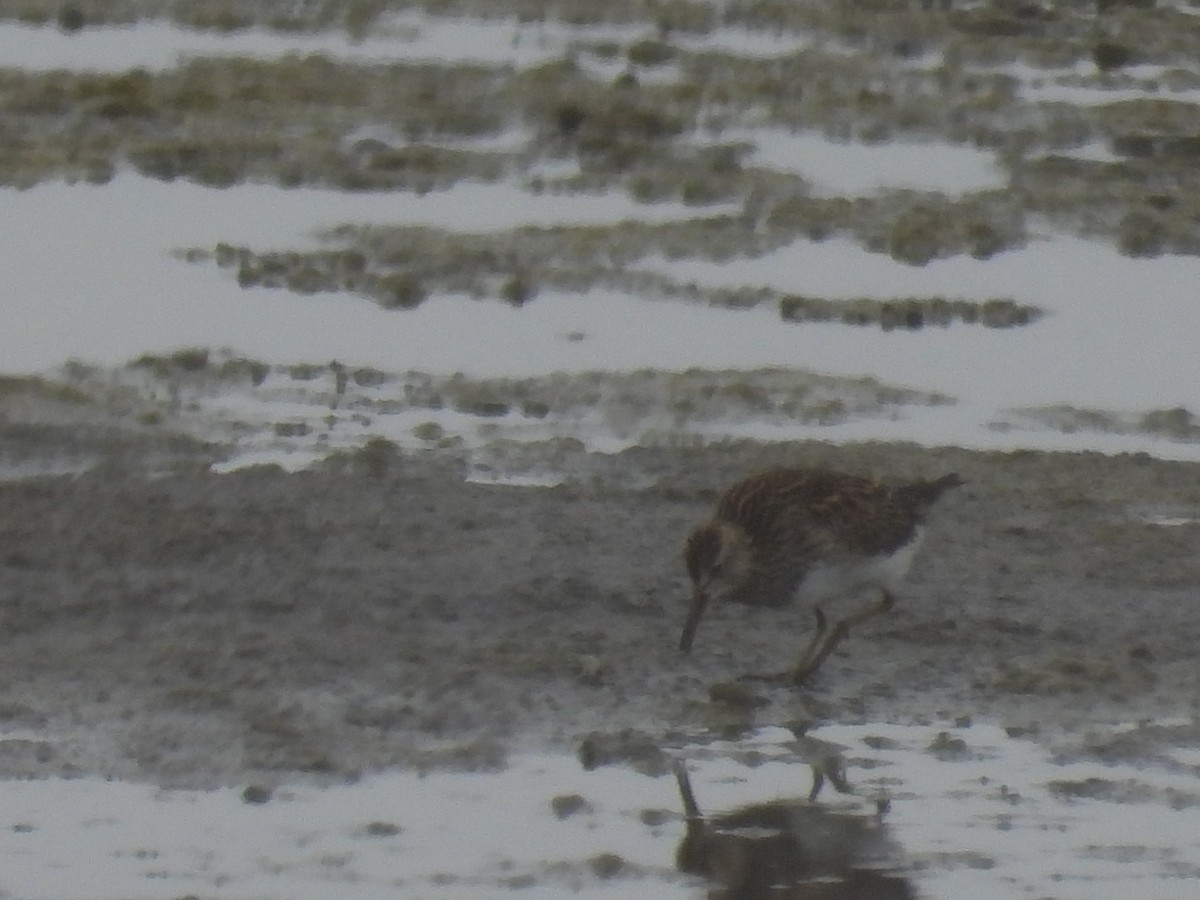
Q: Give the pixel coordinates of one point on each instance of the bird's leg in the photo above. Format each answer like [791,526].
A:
[784,677]
[814,645]
[826,640]
[790,676]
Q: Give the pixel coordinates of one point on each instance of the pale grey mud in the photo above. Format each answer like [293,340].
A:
[161,622]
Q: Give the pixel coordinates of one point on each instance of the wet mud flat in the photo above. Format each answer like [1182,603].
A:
[410,663]
[165,623]
[379,675]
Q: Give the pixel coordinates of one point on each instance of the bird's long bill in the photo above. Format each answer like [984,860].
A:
[695,611]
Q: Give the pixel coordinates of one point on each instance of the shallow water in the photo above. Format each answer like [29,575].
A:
[293,421]
[1117,337]
[852,169]
[1114,339]
[950,810]
[79,289]
[411,37]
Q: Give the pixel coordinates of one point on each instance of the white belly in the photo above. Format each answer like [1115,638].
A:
[826,581]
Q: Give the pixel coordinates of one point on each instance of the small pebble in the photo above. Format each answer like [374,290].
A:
[256,793]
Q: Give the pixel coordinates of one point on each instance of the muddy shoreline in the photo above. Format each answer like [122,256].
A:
[165,623]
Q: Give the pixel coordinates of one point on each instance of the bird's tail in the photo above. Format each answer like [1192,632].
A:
[923,494]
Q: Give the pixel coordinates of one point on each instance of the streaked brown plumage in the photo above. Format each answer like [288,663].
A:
[810,533]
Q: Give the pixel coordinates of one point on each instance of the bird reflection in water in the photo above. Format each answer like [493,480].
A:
[790,850]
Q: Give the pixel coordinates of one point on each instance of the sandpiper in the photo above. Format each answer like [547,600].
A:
[813,534]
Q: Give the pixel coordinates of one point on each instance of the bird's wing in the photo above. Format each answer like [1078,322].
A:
[819,513]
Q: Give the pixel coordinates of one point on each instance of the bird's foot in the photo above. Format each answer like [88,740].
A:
[799,677]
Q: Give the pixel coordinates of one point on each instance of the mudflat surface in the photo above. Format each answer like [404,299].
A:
[161,622]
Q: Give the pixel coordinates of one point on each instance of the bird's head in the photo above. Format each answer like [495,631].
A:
[718,562]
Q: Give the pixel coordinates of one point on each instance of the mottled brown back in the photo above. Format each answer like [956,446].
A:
[793,516]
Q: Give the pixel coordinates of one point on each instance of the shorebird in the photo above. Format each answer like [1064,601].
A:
[811,534]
